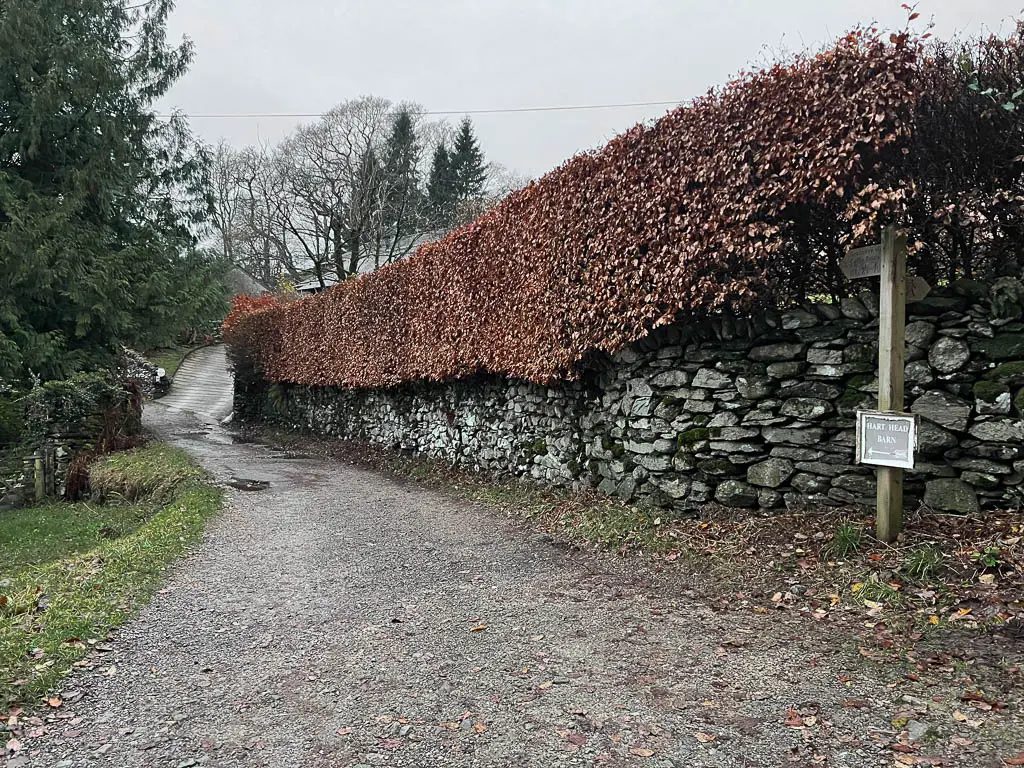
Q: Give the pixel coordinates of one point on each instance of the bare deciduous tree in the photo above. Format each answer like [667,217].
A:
[340,196]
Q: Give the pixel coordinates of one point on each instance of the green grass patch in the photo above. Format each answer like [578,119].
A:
[40,535]
[154,474]
[69,573]
[846,541]
[880,592]
[923,563]
[170,358]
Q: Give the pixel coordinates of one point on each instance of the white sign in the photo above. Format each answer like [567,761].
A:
[886,439]
[862,262]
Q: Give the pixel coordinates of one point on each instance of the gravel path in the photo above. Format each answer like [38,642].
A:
[338,618]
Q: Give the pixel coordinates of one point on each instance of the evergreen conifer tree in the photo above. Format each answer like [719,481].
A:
[401,167]
[441,197]
[99,198]
[403,148]
[468,169]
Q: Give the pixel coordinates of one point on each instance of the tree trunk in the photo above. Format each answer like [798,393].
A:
[353,258]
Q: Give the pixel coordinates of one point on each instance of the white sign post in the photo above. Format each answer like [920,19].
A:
[886,439]
[888,436]
[862,262]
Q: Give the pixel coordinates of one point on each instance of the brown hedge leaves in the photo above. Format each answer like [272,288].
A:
[693,215]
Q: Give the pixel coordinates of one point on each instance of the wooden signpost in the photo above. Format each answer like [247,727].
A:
[889,262]
[917,289]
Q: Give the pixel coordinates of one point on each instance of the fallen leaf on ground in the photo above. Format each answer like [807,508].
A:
[642,752]
[793,719]
[343,731]
[479,628]
[1018,760]
[704,738]
[961,717]
[54,702]
[479,727]
[577,738]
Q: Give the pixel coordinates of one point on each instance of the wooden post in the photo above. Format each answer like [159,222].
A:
[39,476]
[891,335]
[50,462]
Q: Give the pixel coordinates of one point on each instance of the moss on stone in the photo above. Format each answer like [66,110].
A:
[860,353]
[989,391]
[618,450]
[532,449]
[702,419]
[1007,372]
[744,367]
[1005,346]
[691,436]
[1018,402]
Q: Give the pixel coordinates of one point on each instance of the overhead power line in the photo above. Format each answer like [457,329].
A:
[498,111]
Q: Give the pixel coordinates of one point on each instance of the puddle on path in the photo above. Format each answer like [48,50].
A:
[247,484]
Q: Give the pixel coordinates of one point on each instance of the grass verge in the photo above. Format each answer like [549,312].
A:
[170,358]
[69,573]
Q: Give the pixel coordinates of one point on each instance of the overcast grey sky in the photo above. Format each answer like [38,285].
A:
[304,56]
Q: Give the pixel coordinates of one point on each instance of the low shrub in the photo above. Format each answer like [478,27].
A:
[12,417]
[87,402]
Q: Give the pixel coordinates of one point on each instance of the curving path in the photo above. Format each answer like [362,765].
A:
[202,385]
[341,619]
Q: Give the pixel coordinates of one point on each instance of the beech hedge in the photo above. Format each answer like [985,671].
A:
[744,198]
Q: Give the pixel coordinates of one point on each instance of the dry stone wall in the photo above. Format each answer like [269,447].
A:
[749,413]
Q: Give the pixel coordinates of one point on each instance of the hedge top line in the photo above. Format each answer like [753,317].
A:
[694,215]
